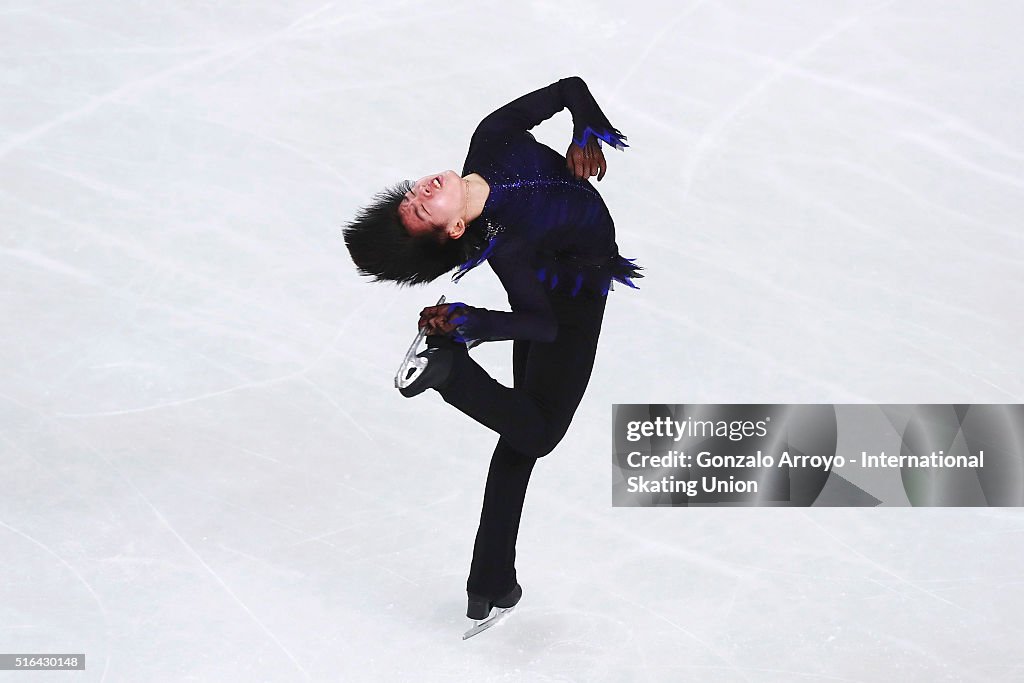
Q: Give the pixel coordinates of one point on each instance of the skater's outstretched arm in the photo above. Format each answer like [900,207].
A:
[526,112]
[531,317]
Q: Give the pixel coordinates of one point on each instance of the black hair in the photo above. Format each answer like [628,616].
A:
[382,249]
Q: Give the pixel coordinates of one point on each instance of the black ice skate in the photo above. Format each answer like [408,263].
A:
[413,377]
[480,609]
[429,369]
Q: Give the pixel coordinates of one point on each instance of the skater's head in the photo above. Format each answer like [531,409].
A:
[436,206]
[412,232]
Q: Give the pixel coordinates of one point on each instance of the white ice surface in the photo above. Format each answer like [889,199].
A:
[209,477]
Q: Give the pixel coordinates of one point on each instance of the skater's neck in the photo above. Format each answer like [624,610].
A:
[477,191]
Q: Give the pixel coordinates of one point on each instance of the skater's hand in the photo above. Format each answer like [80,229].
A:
[440,319]
[586,161]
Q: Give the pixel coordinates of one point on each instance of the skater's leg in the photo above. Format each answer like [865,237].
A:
[557,374]
[534,416]
[492,573]
[511,412]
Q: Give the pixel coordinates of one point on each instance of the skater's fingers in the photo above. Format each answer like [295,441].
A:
[594,157]
[432,312]
[439,326]
[440,323]
[574,160]
[599,164]
[429,316]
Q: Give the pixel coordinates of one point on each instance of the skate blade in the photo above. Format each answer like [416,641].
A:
[481,626]
[411,373]
[411,365]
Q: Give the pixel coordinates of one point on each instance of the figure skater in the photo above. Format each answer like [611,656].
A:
[548,236]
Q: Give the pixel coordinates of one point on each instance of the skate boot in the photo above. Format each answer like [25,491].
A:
[431,368]
[479,606]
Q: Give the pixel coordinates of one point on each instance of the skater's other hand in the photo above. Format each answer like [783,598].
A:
[439,319]
[587,161]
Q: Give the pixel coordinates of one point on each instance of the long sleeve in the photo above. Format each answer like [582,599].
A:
[526,112]
[531,316]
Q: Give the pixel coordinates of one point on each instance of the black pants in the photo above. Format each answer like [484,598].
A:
[531,418]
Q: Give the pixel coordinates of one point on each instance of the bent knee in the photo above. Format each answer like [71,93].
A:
[546,442]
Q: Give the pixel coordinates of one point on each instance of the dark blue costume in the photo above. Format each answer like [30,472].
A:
[551,241]
[546,229]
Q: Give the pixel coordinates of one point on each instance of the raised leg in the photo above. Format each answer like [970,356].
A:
[534,414]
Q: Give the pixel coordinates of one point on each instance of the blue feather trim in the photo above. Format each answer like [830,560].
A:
[590,276]
[613,137]
[474,262]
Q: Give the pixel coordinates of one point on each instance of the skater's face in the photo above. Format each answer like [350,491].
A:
[434,206]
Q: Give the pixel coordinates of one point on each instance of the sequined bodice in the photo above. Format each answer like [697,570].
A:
[534,196]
